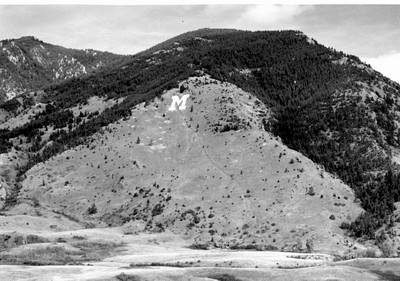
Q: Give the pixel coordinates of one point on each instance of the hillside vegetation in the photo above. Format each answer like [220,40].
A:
[209,172]
[327,105]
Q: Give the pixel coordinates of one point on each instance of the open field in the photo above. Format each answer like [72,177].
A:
[165,256]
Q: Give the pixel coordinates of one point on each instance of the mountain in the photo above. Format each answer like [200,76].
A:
[209,171]
[265,140]
[29,64]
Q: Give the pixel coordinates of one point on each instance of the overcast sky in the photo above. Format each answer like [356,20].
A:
[370,32]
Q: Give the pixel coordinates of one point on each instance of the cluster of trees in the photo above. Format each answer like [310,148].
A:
[58,118]
[378,198]
[10,105]
[5,145]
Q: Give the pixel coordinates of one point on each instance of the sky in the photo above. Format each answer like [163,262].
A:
[371,32]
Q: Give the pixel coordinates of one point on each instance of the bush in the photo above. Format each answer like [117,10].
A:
[92,209]
[224,277]
[125,277]
[370,253]
[310,191]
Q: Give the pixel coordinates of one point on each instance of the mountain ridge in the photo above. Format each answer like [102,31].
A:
[29,64]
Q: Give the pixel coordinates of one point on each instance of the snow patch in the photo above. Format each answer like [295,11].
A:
[310,41]
[12,59]
[341,61]
[347,60]
[202,39]
[158,147]
[11,95]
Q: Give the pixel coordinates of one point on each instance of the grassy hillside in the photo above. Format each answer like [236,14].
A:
[209,172]
[325,104]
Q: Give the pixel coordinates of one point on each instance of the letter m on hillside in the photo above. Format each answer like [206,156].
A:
[178,102]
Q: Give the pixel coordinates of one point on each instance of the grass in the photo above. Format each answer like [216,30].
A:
[219,277]
[10,240]
[166,264]
[84,251]
[387,275]
[199,246]
[50,255]
[307,257]
[224,277]
[295,266]
[125,277]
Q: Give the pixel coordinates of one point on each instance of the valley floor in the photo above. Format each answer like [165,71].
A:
[165,256]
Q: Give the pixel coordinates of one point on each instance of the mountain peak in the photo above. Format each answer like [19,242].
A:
[28,38]
[29,63]
[22,39]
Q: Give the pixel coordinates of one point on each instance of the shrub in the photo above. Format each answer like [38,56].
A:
[224,277]
[310,191]
[92,209]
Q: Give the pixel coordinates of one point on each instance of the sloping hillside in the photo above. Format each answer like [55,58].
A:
[326,105]
[29,64]
[207,170]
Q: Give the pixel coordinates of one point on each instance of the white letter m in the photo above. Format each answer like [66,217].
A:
[178,102]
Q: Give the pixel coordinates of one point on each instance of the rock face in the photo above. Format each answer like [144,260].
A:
[28,64]
[204,167]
